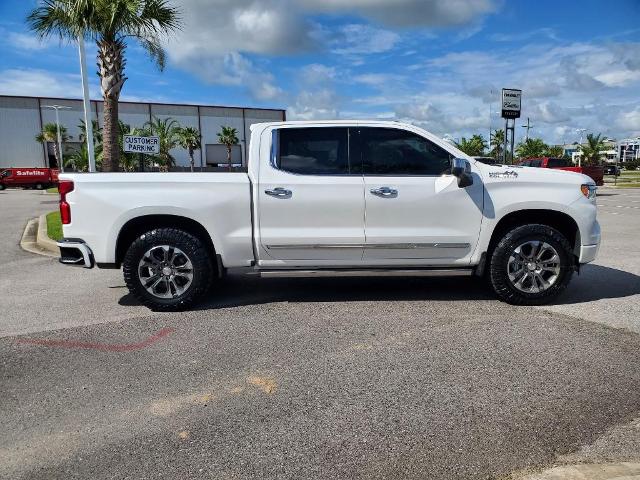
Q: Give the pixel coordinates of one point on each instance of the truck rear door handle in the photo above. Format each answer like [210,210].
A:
[279,192]
[386,192]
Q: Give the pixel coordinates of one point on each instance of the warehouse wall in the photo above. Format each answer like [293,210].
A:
[20,122]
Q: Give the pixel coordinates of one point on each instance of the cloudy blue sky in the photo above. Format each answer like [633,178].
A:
[436,63]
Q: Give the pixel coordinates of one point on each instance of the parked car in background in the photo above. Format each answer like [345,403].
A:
[334,198]
[611,170]
[596,173]
[37,178]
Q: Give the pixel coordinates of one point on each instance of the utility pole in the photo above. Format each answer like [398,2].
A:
[581,132]
[528,126]
[87,106]
[56,108]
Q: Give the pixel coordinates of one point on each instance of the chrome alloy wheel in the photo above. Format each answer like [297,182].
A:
[533,267]
[165,271]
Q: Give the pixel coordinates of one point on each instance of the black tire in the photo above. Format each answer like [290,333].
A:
[2,187]
[499,268]
[190,246]
[39,186]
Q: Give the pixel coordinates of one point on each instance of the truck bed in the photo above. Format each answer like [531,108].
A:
[102,204]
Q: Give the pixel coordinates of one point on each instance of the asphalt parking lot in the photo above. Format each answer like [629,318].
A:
[315,378]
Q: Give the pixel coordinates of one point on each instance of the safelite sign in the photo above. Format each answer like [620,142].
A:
[135,144]
[511,101]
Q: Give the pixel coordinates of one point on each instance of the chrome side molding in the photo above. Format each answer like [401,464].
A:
[391,246]
[373,272]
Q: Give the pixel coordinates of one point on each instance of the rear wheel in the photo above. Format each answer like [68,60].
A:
[531,265]
[39,186]
[168,269]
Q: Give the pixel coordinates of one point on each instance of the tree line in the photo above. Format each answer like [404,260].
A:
[169,132]
[477,146]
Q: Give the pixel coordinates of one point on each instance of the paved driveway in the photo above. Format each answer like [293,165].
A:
[312,378]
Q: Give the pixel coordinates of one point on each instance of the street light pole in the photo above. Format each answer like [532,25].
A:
[87,106]
[581,132]
[56,108]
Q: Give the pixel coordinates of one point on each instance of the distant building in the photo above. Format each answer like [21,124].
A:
[568,149]
[22,118]
[629,150]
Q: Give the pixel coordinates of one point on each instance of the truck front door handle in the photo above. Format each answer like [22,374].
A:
[279,192]
[386,192]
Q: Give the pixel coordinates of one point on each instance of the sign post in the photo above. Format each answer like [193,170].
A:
[511,103]
[141,145]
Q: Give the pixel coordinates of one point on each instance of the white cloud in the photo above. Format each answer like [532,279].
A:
[24,41]
[34,82]
[630,121]
[359,39]
[316,73]
[314,105]
[218,35]
[590,84]
[427,13]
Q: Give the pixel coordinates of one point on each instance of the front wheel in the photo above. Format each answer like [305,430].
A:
[531,265]
[168,269]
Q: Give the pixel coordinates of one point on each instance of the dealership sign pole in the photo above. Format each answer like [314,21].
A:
[511,104]
[87,106]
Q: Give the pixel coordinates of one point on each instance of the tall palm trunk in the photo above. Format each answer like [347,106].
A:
[191,158]
[56,154]
[111,64]
[229,156]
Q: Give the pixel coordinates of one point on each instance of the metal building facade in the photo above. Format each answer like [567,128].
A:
[22,118]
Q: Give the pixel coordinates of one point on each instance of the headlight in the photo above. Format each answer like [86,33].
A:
[589,190]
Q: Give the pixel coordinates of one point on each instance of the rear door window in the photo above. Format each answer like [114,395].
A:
[536,163]
[313,150]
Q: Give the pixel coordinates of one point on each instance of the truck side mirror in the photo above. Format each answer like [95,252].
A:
[461,169]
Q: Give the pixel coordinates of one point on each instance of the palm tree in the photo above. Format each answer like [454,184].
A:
[228,136]
[110,23]
[554,151]
[531,148]
[591,151]
[189,139]
[474,147]
[496,143]
[48,134]
[79,160]
[97,132]
[167,131]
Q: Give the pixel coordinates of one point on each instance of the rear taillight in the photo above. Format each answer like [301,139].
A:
[64,187]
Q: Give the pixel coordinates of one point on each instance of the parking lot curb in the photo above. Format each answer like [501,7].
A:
[42,238]
[601,471]
[29,240]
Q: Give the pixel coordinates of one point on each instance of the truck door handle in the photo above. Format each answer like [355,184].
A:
[386,192]
[279,192]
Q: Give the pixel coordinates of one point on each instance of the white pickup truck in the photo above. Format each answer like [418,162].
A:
[334,198]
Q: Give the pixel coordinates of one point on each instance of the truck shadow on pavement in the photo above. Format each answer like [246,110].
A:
[595,282]
[237,290]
